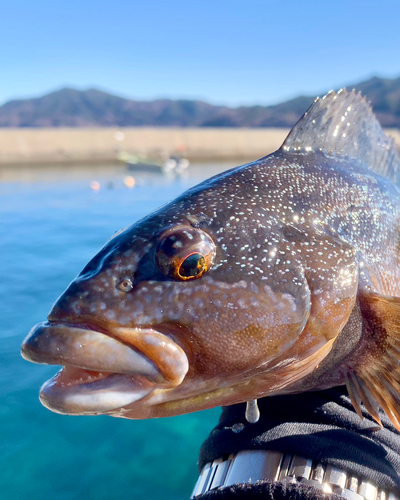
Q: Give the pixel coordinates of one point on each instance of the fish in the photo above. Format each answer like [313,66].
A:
[276,277]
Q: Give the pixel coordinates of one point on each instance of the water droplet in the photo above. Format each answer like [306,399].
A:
[236,428]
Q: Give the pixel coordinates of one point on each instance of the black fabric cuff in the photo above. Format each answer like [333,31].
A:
[319,425]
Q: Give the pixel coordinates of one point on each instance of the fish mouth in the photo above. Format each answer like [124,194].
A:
[103,371]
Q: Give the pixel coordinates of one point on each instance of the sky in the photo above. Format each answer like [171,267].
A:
[221,51]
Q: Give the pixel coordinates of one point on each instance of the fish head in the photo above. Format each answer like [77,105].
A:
[267,279]
[176,313]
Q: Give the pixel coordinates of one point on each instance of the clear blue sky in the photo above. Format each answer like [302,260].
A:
[223,51]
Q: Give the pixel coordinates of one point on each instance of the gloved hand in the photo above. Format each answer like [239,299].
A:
[319,425]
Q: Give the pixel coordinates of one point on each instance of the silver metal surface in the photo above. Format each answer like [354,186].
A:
[368,490]
[352,485]
[318,473]
[287,460]
[326,488]
[251,466]
[199,486]
[300,467]
[220,473]
[345,493]
[335,476]
[211,474]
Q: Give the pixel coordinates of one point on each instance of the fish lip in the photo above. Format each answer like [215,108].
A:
[96,397]
[79,393]
[82,324]
[134,362]
[47,341]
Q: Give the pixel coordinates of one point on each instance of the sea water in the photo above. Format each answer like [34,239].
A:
[52,221]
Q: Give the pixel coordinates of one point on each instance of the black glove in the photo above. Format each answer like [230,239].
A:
[319,425]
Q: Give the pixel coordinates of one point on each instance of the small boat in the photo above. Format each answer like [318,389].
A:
[174,164]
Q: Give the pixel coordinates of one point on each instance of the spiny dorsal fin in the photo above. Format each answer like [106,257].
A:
[343,124]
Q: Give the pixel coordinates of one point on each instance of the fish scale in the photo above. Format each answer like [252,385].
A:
[276,277]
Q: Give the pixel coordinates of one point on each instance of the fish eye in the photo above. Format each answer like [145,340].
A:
[185,254]
[193,266]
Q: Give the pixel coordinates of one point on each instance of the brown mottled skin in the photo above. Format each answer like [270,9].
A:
[303,245]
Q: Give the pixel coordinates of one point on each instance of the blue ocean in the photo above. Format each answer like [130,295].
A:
[53,220]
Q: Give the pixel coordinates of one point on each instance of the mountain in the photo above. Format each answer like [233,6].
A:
[384,95]
[75,108]
[93,108]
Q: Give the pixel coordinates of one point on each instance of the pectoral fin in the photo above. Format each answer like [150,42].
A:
[373,376]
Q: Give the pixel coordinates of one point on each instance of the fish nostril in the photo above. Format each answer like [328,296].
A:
[125,285]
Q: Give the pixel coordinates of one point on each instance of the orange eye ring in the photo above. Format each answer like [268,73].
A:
[185,253]
[192,266]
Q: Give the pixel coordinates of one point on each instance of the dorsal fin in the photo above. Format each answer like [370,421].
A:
[343,124]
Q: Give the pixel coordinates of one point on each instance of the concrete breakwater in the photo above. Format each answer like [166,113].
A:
[71,145]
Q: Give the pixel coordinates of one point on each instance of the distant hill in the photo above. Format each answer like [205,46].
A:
[75,108]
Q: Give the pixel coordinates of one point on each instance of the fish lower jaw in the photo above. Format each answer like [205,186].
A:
[75,391]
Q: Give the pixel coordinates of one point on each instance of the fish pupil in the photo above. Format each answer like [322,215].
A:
[192,266]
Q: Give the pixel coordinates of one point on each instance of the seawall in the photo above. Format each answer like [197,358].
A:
[72,145]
